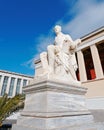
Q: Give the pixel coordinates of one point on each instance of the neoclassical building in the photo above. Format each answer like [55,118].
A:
[12,83]
[90,58]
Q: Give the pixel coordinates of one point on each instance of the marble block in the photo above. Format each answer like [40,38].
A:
[54,105]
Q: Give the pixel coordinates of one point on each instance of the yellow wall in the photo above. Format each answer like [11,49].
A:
[95,88]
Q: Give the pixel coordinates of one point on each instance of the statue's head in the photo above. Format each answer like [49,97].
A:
[57,29]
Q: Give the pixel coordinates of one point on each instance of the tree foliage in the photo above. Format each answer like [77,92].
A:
[9,105]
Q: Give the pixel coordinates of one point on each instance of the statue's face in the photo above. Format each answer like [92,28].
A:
[57,29]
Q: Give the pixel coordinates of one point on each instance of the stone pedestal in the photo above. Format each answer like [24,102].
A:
[54,105]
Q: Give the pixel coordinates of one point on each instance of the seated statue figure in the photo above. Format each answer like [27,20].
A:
[59,61]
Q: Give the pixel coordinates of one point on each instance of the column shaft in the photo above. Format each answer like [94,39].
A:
[8,85]
[96,61]
[21,86]
[1,83]
[81,64]
[14,89]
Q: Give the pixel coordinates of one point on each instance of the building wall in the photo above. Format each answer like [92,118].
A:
[12,83]
[95,83]
[95,88]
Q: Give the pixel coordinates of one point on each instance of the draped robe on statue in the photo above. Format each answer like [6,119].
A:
[59,61]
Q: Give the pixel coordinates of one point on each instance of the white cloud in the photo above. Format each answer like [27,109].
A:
[88,16]
[42,42]
[29,63]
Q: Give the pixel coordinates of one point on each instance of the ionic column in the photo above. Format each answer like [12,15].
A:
[8,85]
[1,83]
[96,61]
[14,89]
[82,70]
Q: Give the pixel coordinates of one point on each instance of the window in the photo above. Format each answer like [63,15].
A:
[24,82]
[18,86]
[4,86]
[100,48]
[11,86]
[89,64]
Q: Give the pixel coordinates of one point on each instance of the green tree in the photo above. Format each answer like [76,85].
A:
[9,105]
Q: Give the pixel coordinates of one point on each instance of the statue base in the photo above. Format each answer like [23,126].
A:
[54,105]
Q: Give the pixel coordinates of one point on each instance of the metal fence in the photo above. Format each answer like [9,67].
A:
[6,127]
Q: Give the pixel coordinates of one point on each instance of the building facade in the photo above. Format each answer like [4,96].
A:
[12,83]
[90,57]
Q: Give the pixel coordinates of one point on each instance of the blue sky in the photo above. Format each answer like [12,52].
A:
[26,27]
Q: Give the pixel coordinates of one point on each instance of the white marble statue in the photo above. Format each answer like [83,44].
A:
[59,60]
